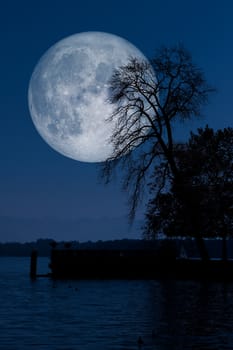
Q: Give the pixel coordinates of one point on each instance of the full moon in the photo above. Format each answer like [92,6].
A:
[68,93]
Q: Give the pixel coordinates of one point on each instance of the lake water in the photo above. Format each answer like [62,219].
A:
[108,315]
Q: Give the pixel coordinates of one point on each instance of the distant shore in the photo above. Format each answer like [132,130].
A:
[183,248]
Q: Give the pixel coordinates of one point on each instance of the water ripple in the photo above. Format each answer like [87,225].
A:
[111,315]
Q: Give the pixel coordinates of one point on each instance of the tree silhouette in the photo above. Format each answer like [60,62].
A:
[201,204]
[147,100]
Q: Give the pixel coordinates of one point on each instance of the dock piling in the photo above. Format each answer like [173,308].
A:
[33,264]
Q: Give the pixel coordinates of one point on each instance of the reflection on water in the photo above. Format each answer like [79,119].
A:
[93,315]
[196,315]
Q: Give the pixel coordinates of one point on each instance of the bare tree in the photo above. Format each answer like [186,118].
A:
[148,98]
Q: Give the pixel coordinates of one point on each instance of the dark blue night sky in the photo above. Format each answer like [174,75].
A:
[42,193]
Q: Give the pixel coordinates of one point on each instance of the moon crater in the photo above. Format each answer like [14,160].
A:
[68,93]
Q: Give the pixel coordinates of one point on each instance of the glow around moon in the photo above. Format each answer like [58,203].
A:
[68,93]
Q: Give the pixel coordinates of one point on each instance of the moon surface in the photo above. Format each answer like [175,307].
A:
[68,93]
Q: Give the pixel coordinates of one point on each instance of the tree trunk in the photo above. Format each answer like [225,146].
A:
[202,248]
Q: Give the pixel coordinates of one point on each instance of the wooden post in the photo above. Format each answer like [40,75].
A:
[33,264]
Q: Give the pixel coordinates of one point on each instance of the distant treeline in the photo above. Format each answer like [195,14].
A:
[185,247]
[24,249]
[44,246]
